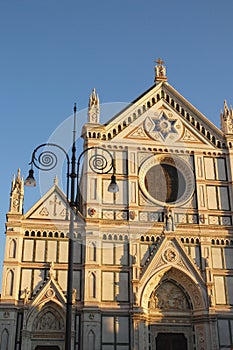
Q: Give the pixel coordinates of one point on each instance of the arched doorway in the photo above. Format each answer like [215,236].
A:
[173,298]
[46,328]
[170,312]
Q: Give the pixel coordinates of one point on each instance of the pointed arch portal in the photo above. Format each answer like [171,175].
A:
[192,289]
[172,298]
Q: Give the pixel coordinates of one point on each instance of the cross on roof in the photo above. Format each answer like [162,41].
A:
[159,61]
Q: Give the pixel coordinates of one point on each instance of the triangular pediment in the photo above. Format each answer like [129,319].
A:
[49,291]
[162,126]
[51,206]
[163,116]
[170,253]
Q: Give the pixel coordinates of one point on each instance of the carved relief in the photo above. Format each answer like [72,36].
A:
[201,338]
[171,255]
[139,133]
[44,212]
[168,297]
[190,287]
[50,293]
[188,137]
[168,274]
[49,320]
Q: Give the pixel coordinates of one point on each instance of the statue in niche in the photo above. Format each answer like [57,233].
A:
[51,270]
[74,294]
[169,219]
[211,297]
[154,301]
[135,259]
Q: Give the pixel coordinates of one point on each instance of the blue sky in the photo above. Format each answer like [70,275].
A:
[53,52]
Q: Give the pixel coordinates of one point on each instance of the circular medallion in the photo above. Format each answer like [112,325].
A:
[50,293]
[170,255]
[166,180]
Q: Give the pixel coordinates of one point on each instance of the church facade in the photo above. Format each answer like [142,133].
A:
[153,263]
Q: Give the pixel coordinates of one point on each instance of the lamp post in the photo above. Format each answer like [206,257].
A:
[99,163]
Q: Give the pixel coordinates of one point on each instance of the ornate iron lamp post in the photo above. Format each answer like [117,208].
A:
[99,163]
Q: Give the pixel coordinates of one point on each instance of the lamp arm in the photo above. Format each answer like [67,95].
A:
[98,164]
[47,160]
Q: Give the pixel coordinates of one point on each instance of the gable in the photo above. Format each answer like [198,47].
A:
[170,253]
[51,206]
[162,126]
[49,291]
[138,120]
[169,261]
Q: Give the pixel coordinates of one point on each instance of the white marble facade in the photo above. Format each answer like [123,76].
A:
[153,261]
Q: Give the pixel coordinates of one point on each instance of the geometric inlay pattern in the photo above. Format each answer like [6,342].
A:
[163,127]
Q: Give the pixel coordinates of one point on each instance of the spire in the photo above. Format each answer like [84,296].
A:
[160,71]
[17,194]
[226,117]
[94,108]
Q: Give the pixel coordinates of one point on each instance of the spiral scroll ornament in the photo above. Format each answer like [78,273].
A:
[47,160]
[100,164]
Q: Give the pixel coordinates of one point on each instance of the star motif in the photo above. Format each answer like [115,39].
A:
[164,126]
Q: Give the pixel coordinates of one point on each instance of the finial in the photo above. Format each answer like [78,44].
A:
[160,71]
[55,181]
[18,175]
[226,117]
[17,194]
[75,107]
[94,108]
[159,61]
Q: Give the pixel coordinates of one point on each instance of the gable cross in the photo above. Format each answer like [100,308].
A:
[55,203]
